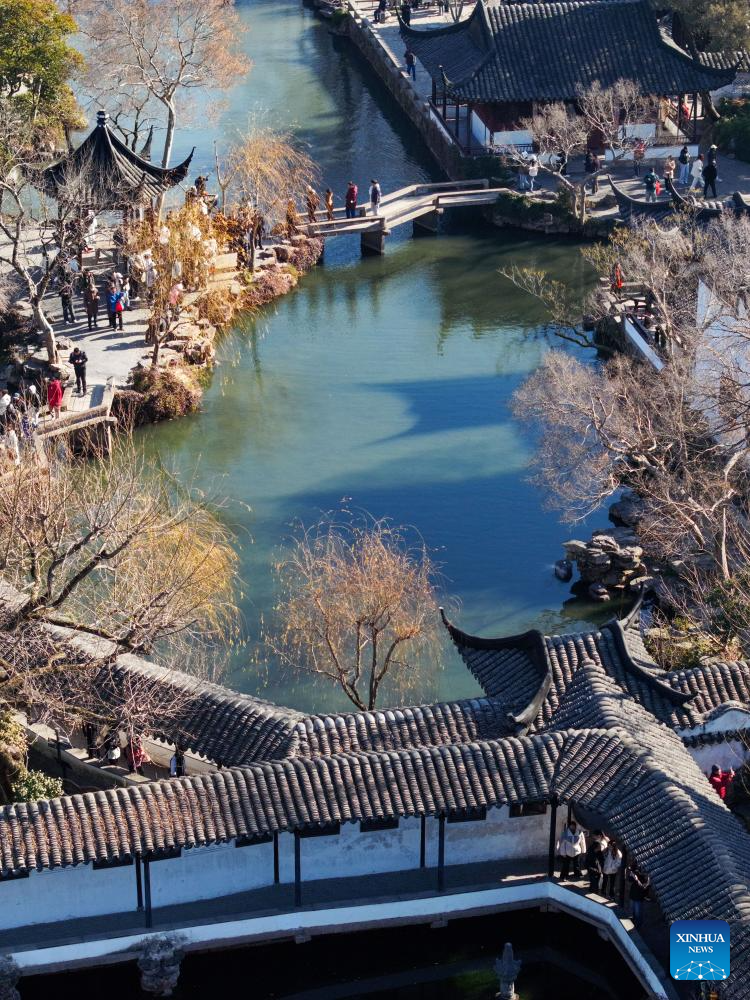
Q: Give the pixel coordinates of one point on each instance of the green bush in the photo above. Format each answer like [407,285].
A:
[29,786]
[733,131]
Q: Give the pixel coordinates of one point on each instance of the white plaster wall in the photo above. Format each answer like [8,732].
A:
[725,755]
[355,853]
[66,893]
[208,872]
[497,838]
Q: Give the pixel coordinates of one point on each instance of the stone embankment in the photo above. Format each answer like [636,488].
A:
[611,562]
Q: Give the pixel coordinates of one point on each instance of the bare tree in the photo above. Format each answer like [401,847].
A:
[609,113]
[259,174]
[358,607]
[35,240]
[116,548]
[169,47]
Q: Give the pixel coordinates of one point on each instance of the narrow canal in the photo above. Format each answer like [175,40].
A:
[381,384]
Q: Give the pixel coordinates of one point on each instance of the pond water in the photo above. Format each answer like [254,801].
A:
[381,384]
[561,960]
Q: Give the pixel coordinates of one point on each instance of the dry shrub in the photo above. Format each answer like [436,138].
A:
[167,393]
[307,254]
[268,286]
[217,306]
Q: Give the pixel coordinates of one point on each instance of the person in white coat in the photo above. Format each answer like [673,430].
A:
[611,866]
[375,196]
[696,172]
[571,847]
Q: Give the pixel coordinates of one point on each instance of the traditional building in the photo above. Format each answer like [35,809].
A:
[584,723]
[104,173]
[490,71]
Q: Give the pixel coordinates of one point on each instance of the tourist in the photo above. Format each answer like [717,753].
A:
[54,396]
[591,166]
[406,12]
[562,163]
[709,175]
[79,360]
[595,860]
[114,305]
[639,884]
[10,446]
[571,847]
[5,402]
[66,298]
[696,172]
[533,171]
[32,405]
[670,166]
[313,203]
[611,865]
[136,756]
[350,200]
[712,151]
[91,301]
[329,204]
[411,64]
[639,155]
[716,780]
[380,11]
[291,218]
[727,777]
[523,176]
[684,160]
[649,182]
[375,195]
[177,764]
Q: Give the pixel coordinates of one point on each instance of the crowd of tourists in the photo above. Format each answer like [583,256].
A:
[351,202]
[688,172]
[602,860]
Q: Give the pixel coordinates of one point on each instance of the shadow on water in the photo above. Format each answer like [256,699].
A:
[382,383]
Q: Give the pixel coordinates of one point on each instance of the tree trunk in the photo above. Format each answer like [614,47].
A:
[45,327]
[168,142]
[709,108]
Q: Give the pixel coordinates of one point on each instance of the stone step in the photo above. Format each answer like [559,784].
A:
[226,262]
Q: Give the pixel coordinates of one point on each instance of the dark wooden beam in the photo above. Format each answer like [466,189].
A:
[552,836]
[297,870]
[441,854]
[138,883]
[147,888]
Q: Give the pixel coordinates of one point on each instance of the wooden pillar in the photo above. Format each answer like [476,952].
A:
[456,119]
[552,836]
[622,877]
[570,812]
[275,859]
[422,842]
[434,92]
[297,870]
[138,883]
[441,854]
[147,888]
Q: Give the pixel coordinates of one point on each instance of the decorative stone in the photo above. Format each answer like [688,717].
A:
[9,976]
[564,570]
[159,959]
[506,970]
[597,592]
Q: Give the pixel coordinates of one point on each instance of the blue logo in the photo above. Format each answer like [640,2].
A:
[699,949]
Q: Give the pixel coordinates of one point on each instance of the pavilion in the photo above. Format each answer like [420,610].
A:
[106,174]
[491,70]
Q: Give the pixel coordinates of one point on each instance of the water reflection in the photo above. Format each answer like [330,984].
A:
[385,380]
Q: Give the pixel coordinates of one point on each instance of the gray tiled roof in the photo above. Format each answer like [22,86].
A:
[683,699]
[400,728]
[223,725]
[739,60]
[619,765]
[510,52]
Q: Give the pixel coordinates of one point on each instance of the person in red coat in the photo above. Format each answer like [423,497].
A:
[54,396]
[716,779]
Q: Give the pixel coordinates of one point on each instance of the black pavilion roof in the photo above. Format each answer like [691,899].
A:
[512,52]
[110,174]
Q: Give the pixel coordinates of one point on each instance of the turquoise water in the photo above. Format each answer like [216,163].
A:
[381,384]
